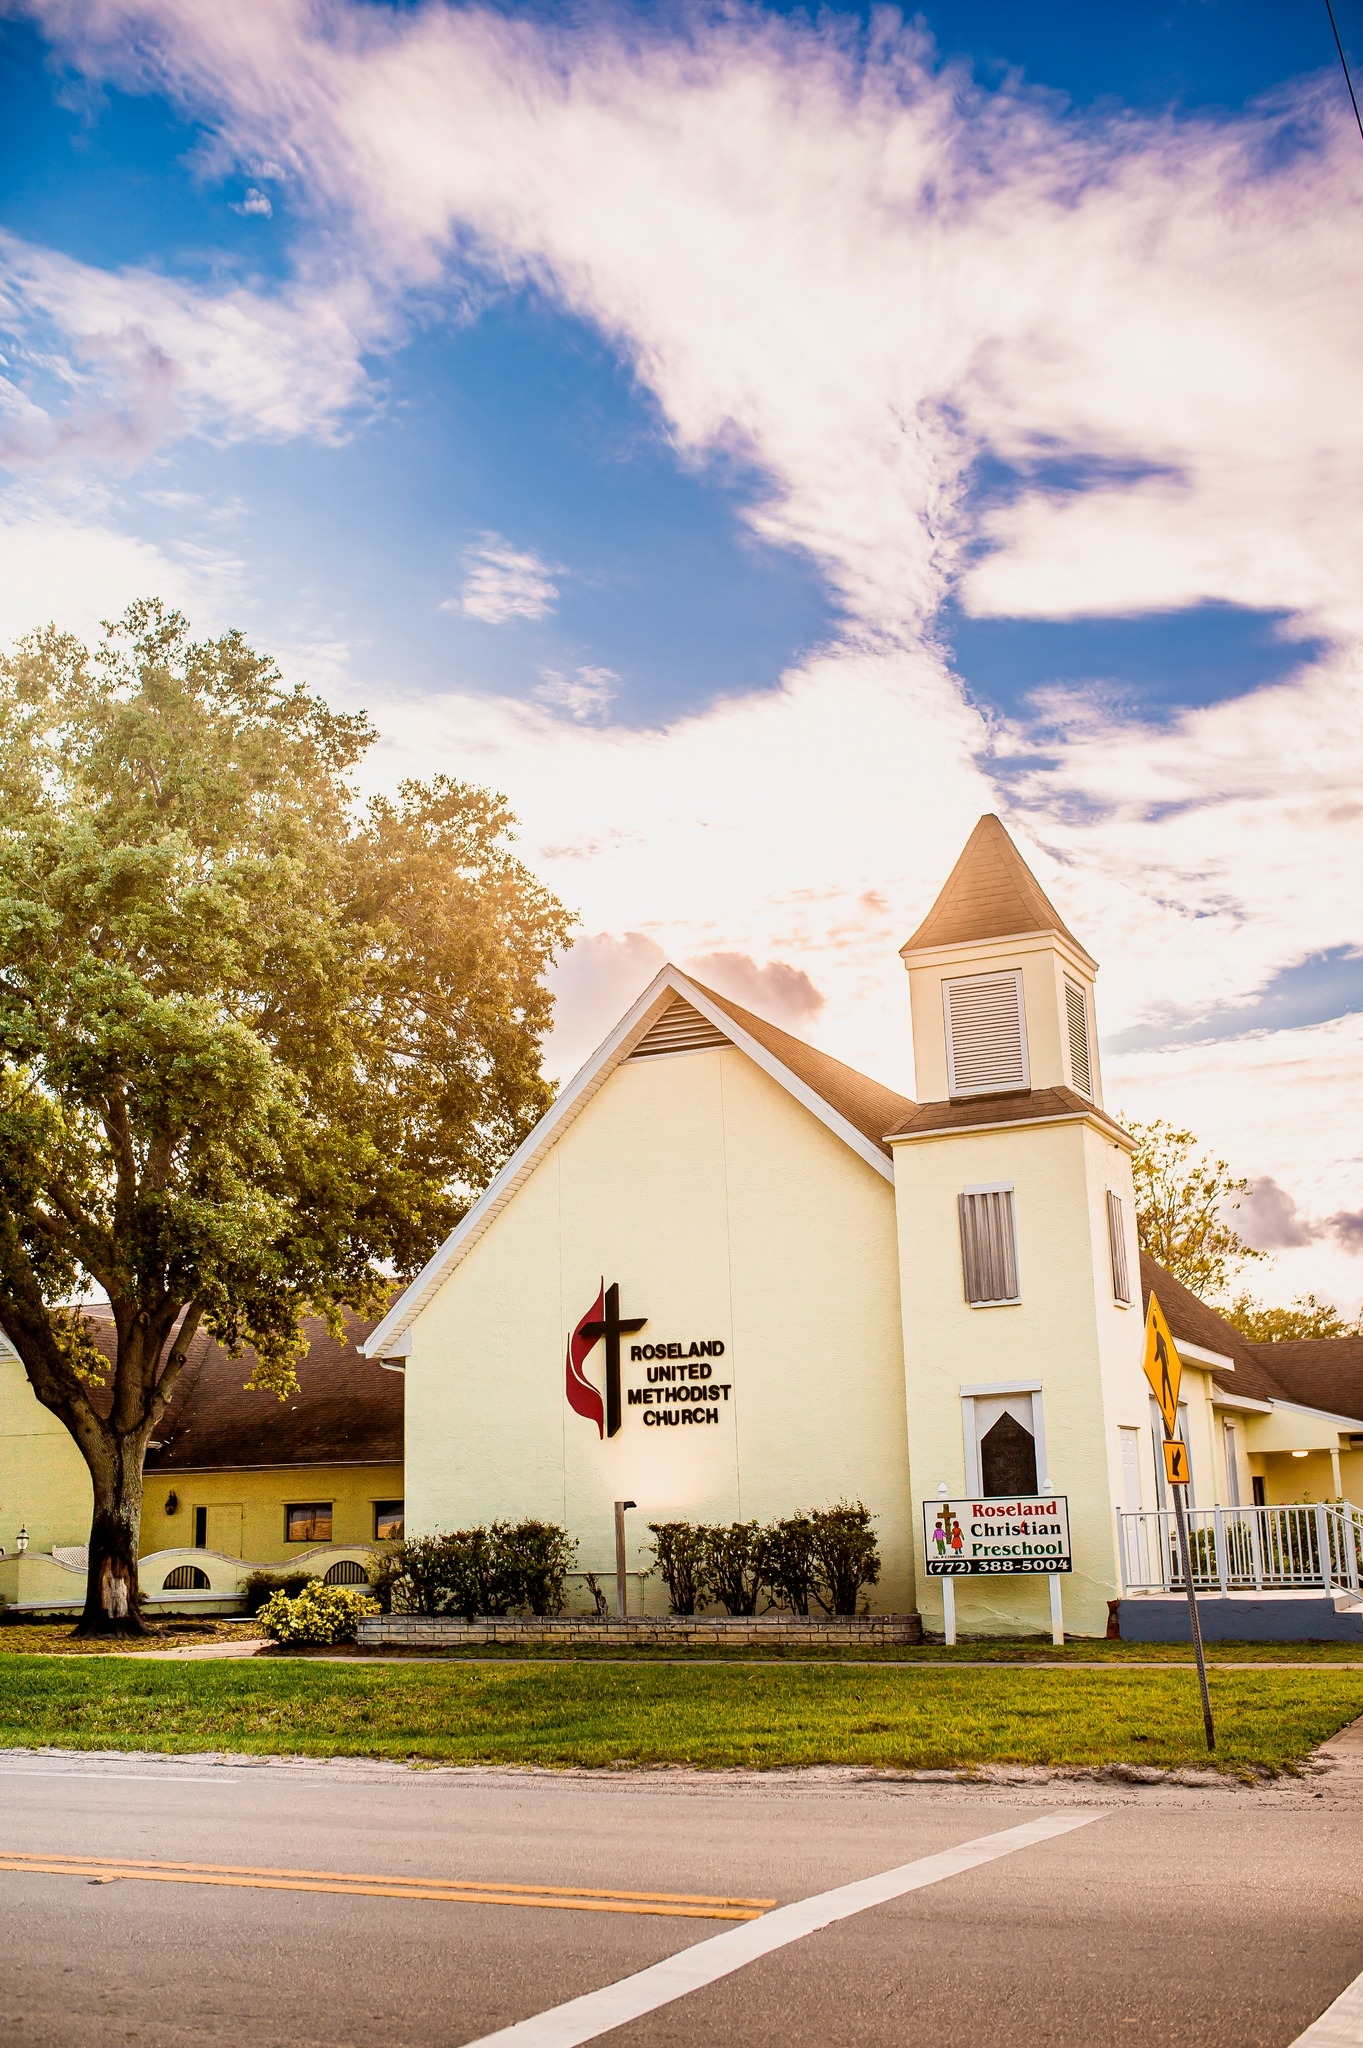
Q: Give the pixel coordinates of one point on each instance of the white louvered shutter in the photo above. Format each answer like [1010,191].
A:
[989,1246]
[1077,1020]
[1116,1238]
[986,1034]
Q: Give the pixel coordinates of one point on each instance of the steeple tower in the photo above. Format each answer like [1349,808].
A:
[1001,990]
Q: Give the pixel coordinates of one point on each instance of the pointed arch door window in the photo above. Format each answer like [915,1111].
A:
[1007,1457]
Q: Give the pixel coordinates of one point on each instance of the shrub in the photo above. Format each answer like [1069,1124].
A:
[257,1587]
[680,1550]
[319,1614]
[846,1555]
[735,1565]
[790,1563]
[492,1570]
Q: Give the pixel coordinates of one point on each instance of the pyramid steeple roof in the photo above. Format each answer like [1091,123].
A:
[991,893]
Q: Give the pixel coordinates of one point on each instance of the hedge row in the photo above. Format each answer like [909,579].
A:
[826,1556]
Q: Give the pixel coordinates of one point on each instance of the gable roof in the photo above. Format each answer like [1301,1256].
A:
[850,1105]
[991,893]
[347,1410]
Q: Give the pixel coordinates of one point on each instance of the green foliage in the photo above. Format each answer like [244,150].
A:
[260,1586]
[827,1555]
[318,1614]
[790,1566]
[259,1047]
[736,1565]
[846,1555]
[1307,1317]
[497,1569]
[679,1549]
[1184,1205]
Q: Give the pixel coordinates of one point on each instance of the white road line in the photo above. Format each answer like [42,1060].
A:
[1340,2025]
[584,2019]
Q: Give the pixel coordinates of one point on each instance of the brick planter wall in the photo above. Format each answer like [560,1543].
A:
[647,1631]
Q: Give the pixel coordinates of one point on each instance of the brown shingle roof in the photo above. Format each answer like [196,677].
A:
[1032,1105]
[348,1410]
[869,1106]
[1319,1372]
[1191,1318]
[991,893]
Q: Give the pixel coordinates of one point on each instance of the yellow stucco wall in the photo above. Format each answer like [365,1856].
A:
[1066,1332]
[723,1209]
[44,1484]
[261,1498]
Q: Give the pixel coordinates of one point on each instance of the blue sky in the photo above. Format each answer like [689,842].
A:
[758,441]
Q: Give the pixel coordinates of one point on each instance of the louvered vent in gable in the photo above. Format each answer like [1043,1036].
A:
[986,1034]
[679,1029]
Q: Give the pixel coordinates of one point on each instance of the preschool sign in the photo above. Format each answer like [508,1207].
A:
[974,1538]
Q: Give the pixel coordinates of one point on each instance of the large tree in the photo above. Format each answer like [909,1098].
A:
[1185,1209]
[259,1044]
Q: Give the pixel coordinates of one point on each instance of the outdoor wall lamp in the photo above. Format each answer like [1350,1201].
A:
[172,1503]
[21,1541]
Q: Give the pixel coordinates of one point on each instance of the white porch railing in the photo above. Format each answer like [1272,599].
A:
[1238,1550]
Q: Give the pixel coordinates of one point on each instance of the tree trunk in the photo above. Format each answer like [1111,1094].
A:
[111,1607]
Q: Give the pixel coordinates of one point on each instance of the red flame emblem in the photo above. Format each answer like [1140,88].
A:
[583,1398]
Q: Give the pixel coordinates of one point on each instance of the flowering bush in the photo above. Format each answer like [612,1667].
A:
[319,1614]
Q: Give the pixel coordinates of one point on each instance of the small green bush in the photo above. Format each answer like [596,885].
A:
[319,1614]
[736,1565]
[789,1558]
[846,1555]
[680,1551]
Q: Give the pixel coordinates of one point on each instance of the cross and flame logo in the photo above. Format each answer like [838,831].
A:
[603,1319]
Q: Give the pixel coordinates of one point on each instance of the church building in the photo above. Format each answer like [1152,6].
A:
[729,1278]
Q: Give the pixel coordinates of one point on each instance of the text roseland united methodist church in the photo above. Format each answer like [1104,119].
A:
[833,1293]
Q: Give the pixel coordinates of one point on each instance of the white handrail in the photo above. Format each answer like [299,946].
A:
[1305,1543]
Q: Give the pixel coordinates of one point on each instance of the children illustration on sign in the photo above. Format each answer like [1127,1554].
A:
[948,1534]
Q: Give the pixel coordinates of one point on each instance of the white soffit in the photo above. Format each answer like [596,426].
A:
[666,986]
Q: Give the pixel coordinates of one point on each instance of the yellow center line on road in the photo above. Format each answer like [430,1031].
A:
[448,1891]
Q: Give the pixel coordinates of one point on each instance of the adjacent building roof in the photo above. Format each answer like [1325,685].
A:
[991,893]
[347,1410]
[983,1112]
[1314,1372]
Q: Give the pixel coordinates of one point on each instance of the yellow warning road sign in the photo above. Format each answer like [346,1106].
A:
[1163,1366]
[1176,1462]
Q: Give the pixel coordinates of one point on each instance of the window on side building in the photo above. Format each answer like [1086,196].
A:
[307,1521]
[1005,1440]
[989,1249]
[387,1519]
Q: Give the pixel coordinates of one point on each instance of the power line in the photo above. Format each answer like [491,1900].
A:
[1345,62]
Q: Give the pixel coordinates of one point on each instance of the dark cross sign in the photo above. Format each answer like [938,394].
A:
[612,1326]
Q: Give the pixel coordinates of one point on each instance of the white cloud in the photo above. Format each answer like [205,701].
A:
[858,274]
[105,365]
[586,695]
[503,582]
[254,201]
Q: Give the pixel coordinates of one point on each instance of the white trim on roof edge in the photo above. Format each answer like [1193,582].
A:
[611,1053]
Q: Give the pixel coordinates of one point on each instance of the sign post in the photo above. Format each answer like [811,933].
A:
[621,1580]
[970,1539]
[1164,1370]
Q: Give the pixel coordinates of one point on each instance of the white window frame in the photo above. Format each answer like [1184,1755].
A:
[963,981]
[1006,1390]
[993,1187]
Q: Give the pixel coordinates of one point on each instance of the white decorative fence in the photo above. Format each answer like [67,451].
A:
[1240,1550]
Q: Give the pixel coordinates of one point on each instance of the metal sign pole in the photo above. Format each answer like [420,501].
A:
[1194,1620]
[621,1580]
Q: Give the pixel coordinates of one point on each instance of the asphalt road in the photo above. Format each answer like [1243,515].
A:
[1182,1915]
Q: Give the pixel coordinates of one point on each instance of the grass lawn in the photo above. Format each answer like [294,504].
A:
[602,1715]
